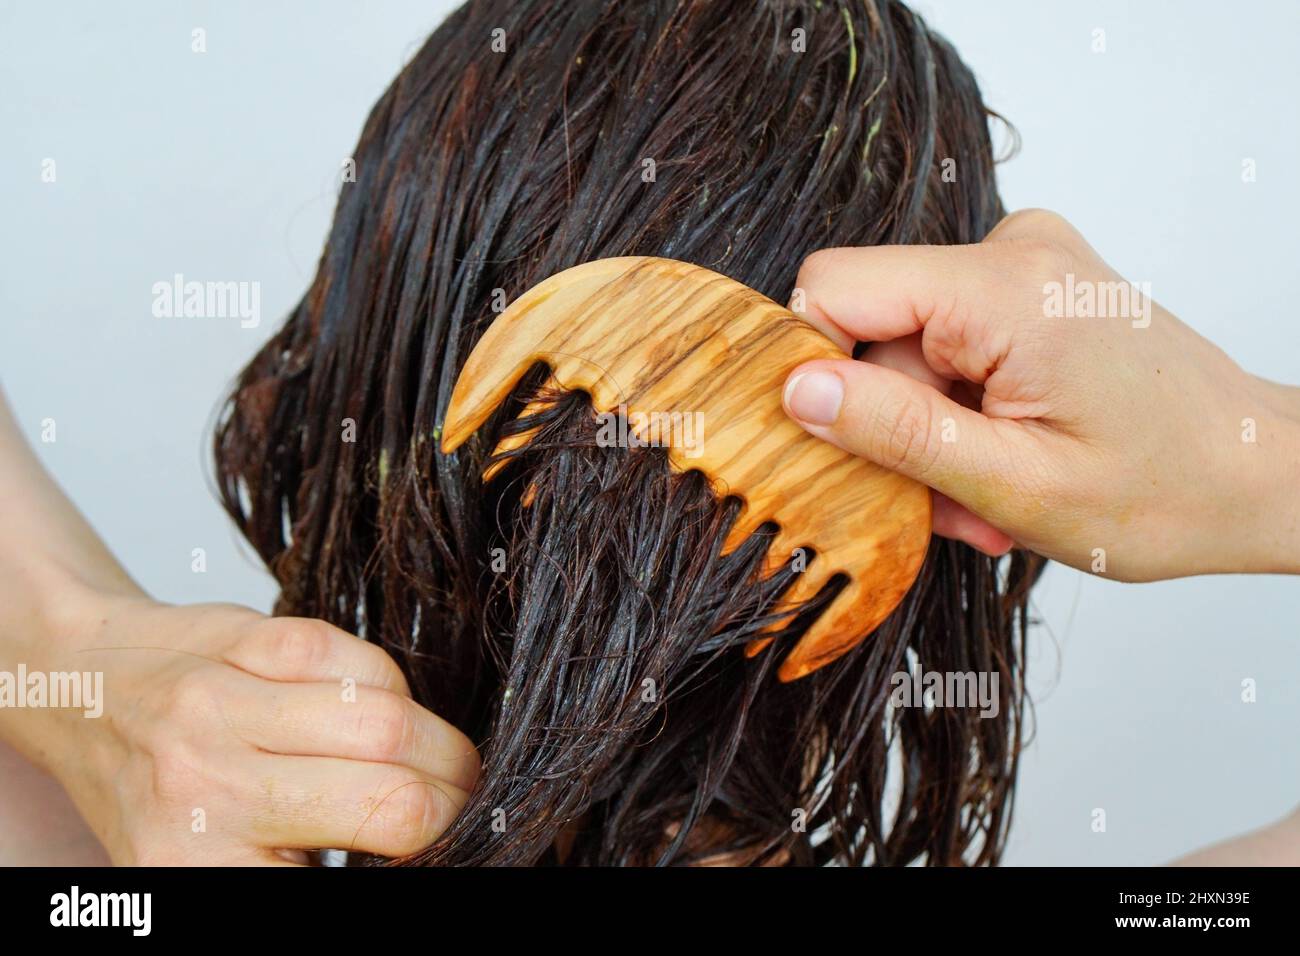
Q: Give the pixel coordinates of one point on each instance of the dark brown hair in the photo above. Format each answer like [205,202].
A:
[591,642]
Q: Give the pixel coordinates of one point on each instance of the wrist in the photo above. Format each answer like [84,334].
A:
[56,687]
[85,746]
[1268,479]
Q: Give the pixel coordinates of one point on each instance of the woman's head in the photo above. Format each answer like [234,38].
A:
[591,640]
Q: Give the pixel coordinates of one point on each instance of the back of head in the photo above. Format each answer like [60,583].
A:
[591,638]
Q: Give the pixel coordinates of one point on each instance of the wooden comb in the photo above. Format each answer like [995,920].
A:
[651,337]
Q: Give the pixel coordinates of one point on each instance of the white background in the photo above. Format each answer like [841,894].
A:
[222,166]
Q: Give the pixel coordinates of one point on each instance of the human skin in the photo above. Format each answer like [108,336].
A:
[219,708]
[227,737]
[1112,444]
[1125,446]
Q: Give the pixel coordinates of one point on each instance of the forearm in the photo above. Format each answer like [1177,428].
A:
[39,825]
[51,565]
[47,545]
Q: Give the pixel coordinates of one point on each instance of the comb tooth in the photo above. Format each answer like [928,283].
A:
[841,627]
[788,540]
[805,587]
[870,595]
[747,522]
[855,613]
[518,440]
[508,444]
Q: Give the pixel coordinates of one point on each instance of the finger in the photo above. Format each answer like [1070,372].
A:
[952,520]
[963,298]
[357,723]
[819,320]
[305,649]
[905,355]
[878,293]
[901,424]
[319,802]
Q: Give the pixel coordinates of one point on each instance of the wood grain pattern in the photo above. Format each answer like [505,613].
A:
[660,336]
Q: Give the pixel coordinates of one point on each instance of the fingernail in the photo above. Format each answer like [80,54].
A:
[815,397]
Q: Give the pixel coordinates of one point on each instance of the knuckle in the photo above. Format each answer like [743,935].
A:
[386,728]
[1036,222]
[904,430]
[190,694]
[1044,258]
[412,816]
[298,644]
[816,267]
[375,661]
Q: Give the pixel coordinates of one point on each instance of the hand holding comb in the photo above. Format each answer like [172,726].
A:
[651,337]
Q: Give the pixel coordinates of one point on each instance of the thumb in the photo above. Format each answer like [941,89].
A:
[901,424]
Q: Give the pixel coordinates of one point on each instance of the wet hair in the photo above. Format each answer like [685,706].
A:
[590,640]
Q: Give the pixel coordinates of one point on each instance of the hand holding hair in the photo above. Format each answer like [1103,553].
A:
[222,736]
[1122,444]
